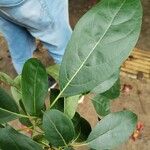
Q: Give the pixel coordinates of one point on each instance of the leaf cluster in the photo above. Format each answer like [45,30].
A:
[100,43]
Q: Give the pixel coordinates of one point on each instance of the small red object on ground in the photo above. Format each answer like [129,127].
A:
[138,132]
[127,88]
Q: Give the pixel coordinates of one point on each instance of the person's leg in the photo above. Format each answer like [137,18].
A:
[20,43]
[58,34]
[47,20]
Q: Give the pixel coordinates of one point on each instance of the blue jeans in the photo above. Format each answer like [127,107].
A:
[21,21]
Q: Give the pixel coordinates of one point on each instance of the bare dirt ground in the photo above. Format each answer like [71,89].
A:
[138,103]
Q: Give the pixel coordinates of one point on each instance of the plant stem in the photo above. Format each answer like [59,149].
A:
[19,115]
[57,98]
[76,138]
[79,144]
[45,144]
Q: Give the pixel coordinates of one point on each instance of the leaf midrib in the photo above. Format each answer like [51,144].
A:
[34,92]
[13,113]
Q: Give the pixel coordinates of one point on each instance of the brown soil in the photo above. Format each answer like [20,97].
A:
[138,103]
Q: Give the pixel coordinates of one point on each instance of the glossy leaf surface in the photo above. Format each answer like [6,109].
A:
[34,86]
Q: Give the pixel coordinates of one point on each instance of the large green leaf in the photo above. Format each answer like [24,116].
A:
[10,139]
[101,105]
[70,105]
[34,86]
[112,130]
[101,41]
[8,107]
[58,128]
[82,128]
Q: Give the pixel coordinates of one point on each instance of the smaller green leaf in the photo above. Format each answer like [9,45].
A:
[82,128]
[59,105]
[54,71]
[58,128]
[7,107]
[16,92]
[70,105]
[10,139]
[101,105]
[6,79]
[22,108]
[112,130]
[25,121]
[114,91]
[34,83]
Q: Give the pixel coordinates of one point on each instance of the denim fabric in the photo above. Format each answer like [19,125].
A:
[8,3]
[46,20]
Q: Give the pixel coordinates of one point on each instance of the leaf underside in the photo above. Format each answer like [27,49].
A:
[101,41]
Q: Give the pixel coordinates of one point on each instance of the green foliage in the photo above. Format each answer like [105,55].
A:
[54,71]
[114,91]
[82,128]
[107,84]
[8,107]
[102,101]
[112,130]
[110,30]
[6,79]
[101,41]
[70,105]
[101,105]
[34,86]
[59,105]
[59,130]
[16,91]
[11,139]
